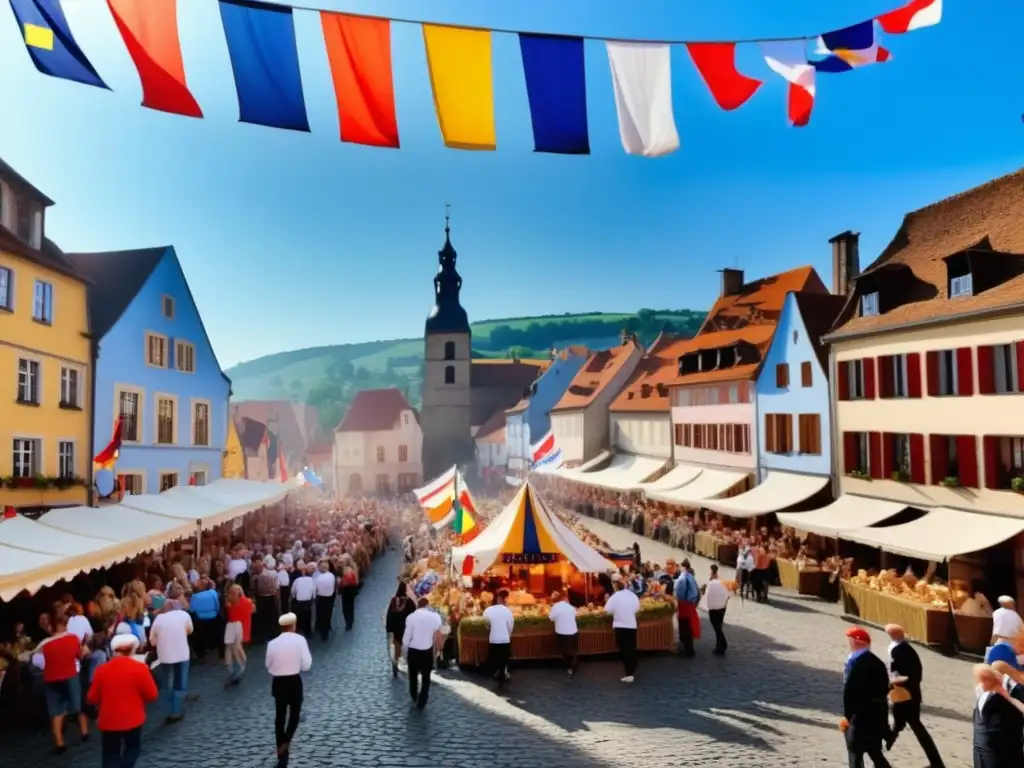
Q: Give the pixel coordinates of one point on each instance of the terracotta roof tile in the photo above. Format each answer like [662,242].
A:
[988,217]
[760,301]
[492,430]
[647,390]
[374,410]
[599,370]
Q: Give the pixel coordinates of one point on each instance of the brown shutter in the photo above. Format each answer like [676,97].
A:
[843,380]
[990,447]
[967,460]
[868,364]
[917,474]
[914,374]
[965,371]
[986,370]
[806,375]
[849,452]
[932,372]
[769,433]
[939,456]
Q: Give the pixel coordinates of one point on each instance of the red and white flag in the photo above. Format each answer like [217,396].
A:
[917,14]
[788,59]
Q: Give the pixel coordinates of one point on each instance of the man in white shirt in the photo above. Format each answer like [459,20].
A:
[745,569]
[326,588]
[284,586]
[563,616]
[303,592]
[287,658]
[169,635]
[623,606]
[422,632]
[499,649]
[1006,622]
[716,598]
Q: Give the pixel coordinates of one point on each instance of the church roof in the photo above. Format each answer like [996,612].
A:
[500,372]
[447,315]
[374,410]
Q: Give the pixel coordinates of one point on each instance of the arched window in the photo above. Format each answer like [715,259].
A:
[449,374]
[449,350]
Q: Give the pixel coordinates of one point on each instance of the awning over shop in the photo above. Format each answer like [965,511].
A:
[940,534]
[210,505]
[844,514]
[780,490]
[118,524]
[587,466]
[626,472]
[677,477]
[710,484]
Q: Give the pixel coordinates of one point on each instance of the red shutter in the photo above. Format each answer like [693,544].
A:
[843,384]
[887,457]
[875,454]
[986,371]
[849,452]
[917,459]
[884,366]
[940,458]
[967,459]
[965,371]
[932,372]
[1020,365]
[990,448]
[869,378]
[914,374]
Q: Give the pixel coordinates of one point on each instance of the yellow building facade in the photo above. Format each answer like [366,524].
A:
[45,360]
[233,464]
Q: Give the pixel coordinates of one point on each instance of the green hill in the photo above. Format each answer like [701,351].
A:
[328,377]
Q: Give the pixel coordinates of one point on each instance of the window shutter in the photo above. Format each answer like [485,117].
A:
[843,383]
[917,474]
[967,459]
[806,375]
[769,433]
[884,366]
[1020,365]
[914,374]
[869,378]
[849,451]
[888,466]
[932,372]
[940,458]
[986,371]
[965,371]
[875,454]
[990,446]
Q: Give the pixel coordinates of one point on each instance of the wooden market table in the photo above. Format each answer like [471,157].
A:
[534,643]
[808,581]
[926,624]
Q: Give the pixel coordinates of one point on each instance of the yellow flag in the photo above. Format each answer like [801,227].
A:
[38,37]
[462,80]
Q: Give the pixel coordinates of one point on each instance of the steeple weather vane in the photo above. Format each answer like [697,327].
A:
[447,216]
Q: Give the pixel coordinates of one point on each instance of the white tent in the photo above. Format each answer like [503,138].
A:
[526,532]
[210,505]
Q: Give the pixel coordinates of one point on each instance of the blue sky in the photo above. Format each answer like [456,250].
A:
[292,240]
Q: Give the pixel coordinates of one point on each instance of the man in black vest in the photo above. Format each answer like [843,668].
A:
[907,673]
[865,722]
[998,718]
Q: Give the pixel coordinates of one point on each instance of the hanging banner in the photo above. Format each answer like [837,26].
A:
[50,44]
[642,79]
[459,61]
[556,85]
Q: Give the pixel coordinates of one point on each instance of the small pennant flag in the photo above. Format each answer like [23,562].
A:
[642,80]
[917,14]
[556,85]
[850,48]
[50,44]
[462,80]
[716,63]
[788,59]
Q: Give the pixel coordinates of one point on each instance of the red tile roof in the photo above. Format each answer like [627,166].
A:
[987,218]
[647,390]
[596,374]
[374,410]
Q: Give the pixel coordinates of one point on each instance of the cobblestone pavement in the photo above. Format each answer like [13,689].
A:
[771,702]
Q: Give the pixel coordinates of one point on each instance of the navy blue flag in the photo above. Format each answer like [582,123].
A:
[265,62]
[556,84]
[50,43]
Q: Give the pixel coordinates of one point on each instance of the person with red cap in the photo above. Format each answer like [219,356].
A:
[865,722]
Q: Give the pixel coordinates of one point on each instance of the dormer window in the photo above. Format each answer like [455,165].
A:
[727,357]
[960,275]
[21,215]
[869,304]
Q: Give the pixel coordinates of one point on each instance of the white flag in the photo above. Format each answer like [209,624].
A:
[642,78]
[788,59]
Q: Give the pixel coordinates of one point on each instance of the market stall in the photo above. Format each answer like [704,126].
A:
[529,547]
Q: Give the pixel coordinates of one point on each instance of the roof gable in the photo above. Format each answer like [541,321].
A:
[374,410]
[647,389]
[595,375]
[760,301]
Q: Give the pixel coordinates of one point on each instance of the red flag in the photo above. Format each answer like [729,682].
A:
[359,52]
[149,29]
[716,63]
[108,455]
[9,513]
[467,565]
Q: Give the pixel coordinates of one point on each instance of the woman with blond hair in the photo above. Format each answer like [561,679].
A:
[237,633]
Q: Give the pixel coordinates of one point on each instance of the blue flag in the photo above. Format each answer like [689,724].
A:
[50,43]
[265,62]
[556,85]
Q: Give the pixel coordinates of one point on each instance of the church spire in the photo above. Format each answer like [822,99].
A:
[447,315]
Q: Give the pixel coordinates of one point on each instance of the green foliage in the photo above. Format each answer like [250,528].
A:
[329,377]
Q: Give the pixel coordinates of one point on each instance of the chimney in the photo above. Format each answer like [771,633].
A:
[845,261]
[732,282]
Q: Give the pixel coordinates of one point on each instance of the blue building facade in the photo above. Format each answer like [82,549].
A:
[530,420]
[156,370]
[792,393]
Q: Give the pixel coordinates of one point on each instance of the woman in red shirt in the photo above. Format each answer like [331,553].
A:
[237,632]
[61,653]
[120,691]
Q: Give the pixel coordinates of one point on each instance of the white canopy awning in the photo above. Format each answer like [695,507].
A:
[844,514]
[940,534]
[710,484]
[118,524]
[20,569]
[210,505]
[626,472]
[586,466]
[677,477]
[780,490]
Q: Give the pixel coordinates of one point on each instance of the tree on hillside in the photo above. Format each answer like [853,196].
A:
[340,370]
[330,403]
[277,382]
[296,387]
[362,374]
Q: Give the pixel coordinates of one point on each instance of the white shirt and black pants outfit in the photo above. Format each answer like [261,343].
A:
[623,606]
[998,726]
[288,657]
[421,627]
[303,592]
[326,590]
[716,598]
[499,647]
[567,635]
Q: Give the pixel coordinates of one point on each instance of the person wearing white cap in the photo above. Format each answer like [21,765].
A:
[120,691]
[287,658]
[1006,622]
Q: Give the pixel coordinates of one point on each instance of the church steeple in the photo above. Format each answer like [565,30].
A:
[447,314]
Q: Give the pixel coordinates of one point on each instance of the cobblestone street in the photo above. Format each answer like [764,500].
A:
[773,701]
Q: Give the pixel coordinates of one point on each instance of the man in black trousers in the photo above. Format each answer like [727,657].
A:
[907,673]
[998,717]
[865,722]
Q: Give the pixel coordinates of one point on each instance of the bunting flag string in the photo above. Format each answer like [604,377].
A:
[264,56]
